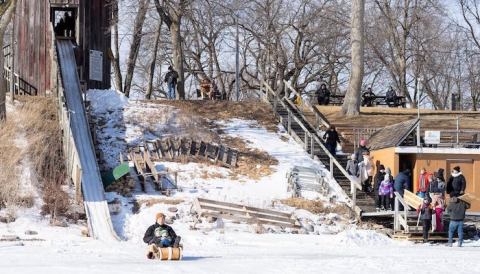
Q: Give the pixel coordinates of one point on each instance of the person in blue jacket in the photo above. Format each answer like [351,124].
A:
[402,181]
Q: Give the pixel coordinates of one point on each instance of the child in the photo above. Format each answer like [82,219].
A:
[437,192]
[385,192]
[425,212]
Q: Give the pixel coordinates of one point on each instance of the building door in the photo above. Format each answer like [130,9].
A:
[466,167]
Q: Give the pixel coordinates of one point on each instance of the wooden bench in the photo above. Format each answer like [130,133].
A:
[242,213]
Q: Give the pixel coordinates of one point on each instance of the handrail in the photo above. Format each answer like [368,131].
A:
[398,219]
[354,184]
[319,117]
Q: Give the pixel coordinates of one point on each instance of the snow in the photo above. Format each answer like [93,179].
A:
[335,245]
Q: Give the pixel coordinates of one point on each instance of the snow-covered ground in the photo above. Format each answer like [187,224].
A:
[334,246]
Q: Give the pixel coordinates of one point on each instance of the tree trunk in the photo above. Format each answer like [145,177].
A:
[151,70]
[178,56]
[135,46]
[118,81]
[351,104]
[6,16]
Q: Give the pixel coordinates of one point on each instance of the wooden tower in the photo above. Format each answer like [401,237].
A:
[34,22]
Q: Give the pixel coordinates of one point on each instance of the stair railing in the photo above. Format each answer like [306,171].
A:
[400,218]
[310,139]
[320,119]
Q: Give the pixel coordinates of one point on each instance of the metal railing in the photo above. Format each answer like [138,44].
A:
[310,139]
[21,87]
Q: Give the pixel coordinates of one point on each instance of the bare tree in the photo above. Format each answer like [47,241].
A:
[7,9]
[171,12]
[151,69]
[135,46]
[118,79]
[351,104]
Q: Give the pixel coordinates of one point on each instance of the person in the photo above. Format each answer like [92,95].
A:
[365,168]
[69,24]
[377,180]
[402,181]
[368,97]
[352,166]
[361,149]
[331,139]
[437,192]
[385,192]
[456,183]
[215,95]
[171,80]
[60,27]
[323,96]
[456,209]
[160,234]
[425,214]
[205,88]
[423,183]
[390,97]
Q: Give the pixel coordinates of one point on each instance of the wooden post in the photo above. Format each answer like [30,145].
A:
[396,226]
[331,166]
[312,147]
[289,123]
[458,129]
[354,195]
[405,212]
[306,142]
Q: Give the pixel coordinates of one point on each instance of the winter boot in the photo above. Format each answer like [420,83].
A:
[176,243]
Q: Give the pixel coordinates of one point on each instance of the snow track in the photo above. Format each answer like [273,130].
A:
[96,208]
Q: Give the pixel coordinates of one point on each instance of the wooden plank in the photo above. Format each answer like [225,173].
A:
[232,205]
[249,220]
[469,198]
[412,200]
[247,213]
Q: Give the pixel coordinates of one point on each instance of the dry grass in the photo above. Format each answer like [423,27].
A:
[224,110]
[316,206]
[196,119]
[252,163]
[137,204]
[10,157]
[39,118]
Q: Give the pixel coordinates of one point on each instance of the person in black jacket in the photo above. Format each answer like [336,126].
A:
[456,209]
[171,80]
[161,234]
[456,183]
[361,149]
[331,138]
[323,96]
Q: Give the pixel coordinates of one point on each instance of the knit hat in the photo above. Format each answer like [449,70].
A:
[353,156]
[158,215]
[363,142]
[457,168]
[381,167]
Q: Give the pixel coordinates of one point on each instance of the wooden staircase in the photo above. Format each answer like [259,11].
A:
[306,134]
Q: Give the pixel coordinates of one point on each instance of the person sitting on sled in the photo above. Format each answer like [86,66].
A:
[160,234]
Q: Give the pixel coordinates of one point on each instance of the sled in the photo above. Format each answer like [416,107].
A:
[468,198]
[412,200]
[164,253]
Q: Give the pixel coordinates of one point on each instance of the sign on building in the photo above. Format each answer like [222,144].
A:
[432,137]
[96,65]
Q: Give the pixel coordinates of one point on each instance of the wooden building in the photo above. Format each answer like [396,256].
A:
[33,26]
[396,147]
